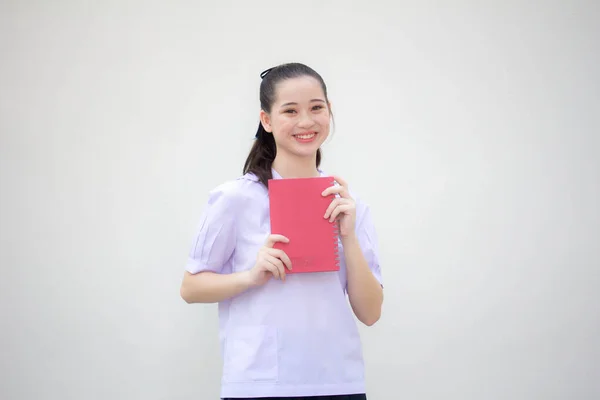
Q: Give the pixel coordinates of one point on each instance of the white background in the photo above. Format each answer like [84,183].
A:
[471,128]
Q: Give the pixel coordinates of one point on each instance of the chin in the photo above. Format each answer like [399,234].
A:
[305,154]
[306,151]
[299,153]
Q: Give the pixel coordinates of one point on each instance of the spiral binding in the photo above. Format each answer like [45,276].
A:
[336,235]
[336,247]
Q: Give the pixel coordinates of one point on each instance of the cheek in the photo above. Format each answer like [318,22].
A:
[282,127]
[324,121]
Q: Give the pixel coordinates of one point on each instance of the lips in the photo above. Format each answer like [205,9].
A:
[305,135]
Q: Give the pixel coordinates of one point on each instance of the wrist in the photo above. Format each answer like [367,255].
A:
[245,279]
[350,239]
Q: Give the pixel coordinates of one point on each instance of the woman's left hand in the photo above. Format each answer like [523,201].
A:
[342,208]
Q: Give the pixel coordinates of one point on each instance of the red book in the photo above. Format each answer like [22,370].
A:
[296,210]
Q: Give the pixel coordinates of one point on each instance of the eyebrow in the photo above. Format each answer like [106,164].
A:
[295,104]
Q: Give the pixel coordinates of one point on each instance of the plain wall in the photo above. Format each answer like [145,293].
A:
[471,128]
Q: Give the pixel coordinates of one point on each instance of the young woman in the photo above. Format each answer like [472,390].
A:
[285,336]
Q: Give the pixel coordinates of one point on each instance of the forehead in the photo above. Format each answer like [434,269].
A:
[299,90]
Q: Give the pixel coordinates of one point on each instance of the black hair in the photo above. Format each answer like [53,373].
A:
[263,151]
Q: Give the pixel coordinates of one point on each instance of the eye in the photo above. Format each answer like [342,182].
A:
[319,107]
[290,111]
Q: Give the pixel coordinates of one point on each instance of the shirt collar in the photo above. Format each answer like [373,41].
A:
[277,176]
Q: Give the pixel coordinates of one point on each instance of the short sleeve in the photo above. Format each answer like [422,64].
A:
[215,236]
[367,237]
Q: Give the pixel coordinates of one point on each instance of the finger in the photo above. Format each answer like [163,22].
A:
[274,238]
[342,182]
[337,189]
[280,254]
[334,203]
[272,268]
[338,210]
[277,264]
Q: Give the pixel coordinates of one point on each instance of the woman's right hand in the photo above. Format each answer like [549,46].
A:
[270,262]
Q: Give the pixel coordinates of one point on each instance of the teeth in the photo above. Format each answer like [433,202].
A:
[306,136]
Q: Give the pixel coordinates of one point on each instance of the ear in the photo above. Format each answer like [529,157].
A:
[265,120]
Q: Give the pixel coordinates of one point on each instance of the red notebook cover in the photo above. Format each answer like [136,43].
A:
[296,210]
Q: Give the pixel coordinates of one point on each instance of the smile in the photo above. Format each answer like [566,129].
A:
[305,137]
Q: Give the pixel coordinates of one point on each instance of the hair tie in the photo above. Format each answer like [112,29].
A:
[264,73]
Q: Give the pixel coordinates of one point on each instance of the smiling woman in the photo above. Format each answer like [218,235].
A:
[295,336]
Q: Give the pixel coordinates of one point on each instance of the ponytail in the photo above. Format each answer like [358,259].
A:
[262,154]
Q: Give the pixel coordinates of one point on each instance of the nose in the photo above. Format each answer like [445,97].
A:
[305,121]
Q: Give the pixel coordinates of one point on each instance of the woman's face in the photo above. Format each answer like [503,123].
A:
[299,118]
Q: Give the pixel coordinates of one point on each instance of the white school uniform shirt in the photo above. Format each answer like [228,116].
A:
[283,339]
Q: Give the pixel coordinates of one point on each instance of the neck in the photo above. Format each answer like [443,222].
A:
[289,166]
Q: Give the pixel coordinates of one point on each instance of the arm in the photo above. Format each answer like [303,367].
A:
[213,246]
[211,287]
[364,291]
[360,251]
